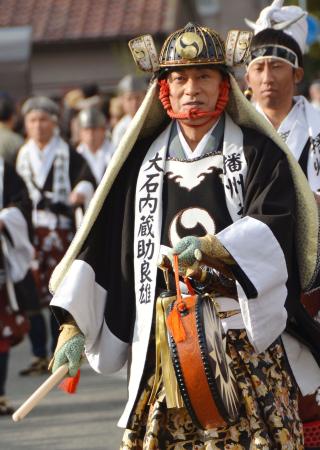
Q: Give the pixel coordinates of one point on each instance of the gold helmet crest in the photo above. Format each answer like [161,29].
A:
[192,45]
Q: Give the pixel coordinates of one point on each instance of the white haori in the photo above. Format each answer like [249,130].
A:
[265,316]
[302,123]
[99,160]
[34,165]
[105,352]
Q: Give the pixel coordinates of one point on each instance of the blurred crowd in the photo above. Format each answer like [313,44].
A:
[55,152]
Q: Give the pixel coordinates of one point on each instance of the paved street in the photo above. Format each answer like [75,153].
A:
[84,421]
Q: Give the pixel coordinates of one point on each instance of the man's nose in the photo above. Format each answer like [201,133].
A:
[192,87]
[267,75]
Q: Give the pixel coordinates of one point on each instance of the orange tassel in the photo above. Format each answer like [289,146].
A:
[174,321]
[189,286]
[70,384]
[175,325]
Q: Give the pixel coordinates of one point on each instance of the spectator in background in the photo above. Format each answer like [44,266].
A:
[94,146]
[314,93]
[91,96]
[115,111]
[10,142]
[57,182]
[131,90]
[274,71]
[69,125]
[90,90]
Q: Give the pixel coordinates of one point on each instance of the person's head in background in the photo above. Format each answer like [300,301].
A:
[40,119]
[275,64]
[91,96]
[115,111]
[274,75]
[92,128]
[314,93]
[7,110]
[131,90]
[90,90]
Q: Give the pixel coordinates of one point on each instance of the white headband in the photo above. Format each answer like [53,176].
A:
[273,51]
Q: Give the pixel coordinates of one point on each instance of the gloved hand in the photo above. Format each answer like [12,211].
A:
[70,348]
[185,249]
[209,246]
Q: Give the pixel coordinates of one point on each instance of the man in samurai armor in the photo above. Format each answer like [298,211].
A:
[58,181]
[198,176]
[274,69]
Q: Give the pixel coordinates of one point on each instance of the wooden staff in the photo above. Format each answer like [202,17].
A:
[40,393]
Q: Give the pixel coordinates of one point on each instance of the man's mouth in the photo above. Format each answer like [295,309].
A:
[268,91]
[195,104]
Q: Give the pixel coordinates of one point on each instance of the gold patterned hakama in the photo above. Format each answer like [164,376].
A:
[268,418]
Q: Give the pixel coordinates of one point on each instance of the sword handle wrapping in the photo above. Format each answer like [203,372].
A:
[215,263]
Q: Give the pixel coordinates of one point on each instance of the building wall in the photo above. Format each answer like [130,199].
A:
[230,14]
[58,68]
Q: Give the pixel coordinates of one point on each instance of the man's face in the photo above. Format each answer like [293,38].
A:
[92,137]
[194,88]
[39,126]
[273,82]
[131,102]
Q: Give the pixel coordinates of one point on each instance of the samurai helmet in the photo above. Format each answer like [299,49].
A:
[192,45]
[91,118]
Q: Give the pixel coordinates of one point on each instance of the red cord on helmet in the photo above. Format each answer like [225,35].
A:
[195,113]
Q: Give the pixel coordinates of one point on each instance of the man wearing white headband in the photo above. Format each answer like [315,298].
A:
[275,68]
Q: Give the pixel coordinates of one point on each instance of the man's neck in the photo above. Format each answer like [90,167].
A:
[41,145]
[193,135]
[95,148]
[277,115]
